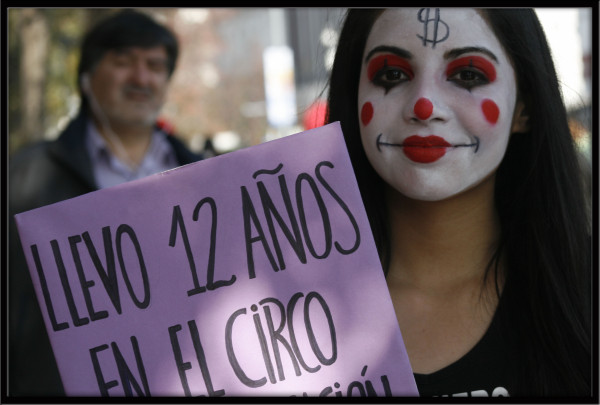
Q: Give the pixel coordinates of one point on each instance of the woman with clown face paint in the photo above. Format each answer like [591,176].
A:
[459,140]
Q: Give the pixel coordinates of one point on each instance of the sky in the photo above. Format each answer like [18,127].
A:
[562,28]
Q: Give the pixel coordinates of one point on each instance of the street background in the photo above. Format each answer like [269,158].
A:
[244,75]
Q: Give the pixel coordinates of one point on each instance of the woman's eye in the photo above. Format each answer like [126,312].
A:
[388,77]
[468,78]
[471,71]
[388,70]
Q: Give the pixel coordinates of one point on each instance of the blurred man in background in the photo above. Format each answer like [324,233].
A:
[126,64]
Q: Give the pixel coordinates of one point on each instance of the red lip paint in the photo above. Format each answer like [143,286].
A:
[491,112]
[425,149]
[366,113]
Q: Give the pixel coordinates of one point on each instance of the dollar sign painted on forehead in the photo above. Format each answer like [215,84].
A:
[434,29]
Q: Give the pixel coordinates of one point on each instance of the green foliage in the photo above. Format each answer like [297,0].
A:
[65,28]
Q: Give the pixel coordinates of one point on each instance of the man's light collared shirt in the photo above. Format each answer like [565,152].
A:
[110,170]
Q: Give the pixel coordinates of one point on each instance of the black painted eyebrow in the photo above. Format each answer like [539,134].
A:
[453,53]
[390,49]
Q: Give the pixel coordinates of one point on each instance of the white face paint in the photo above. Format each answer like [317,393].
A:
[435,117]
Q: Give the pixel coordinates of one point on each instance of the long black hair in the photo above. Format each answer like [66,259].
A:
[545,229]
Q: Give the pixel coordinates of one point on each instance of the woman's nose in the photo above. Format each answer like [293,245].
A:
[423,108]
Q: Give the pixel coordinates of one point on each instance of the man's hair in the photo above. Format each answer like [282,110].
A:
[122,30]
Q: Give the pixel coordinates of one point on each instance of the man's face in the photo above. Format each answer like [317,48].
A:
[435,116]
[130,85]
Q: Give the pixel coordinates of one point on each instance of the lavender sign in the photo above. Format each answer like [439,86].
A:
[248,274]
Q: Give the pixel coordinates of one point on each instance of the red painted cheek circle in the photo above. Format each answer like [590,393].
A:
[366,113]
[491,112]
[423,108]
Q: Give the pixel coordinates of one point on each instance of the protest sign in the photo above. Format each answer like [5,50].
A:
[251,273]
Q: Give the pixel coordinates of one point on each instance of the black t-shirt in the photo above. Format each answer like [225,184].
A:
[488,370]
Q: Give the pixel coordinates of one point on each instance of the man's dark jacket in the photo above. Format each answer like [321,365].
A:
[42,174]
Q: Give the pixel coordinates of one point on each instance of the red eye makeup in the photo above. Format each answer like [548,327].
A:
[478,62]
[384,61]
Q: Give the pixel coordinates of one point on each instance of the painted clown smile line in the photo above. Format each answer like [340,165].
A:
[426,149]
[428,143]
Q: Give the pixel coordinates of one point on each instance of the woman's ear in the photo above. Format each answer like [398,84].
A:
[520,123]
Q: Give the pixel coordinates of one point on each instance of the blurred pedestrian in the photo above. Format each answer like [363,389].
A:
[126,64]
